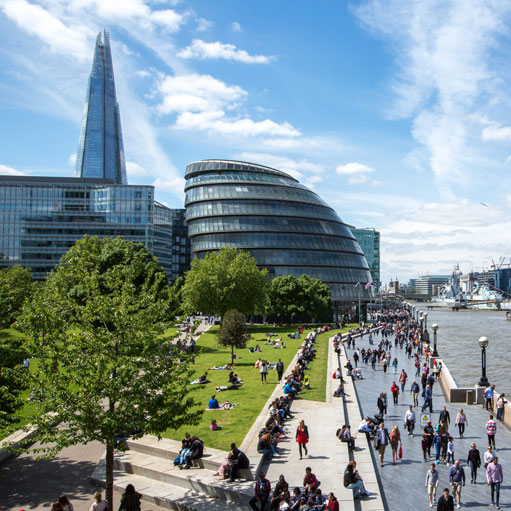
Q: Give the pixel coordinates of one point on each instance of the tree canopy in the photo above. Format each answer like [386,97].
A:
[104,367]
[16,286]
[224,280]
[303,297]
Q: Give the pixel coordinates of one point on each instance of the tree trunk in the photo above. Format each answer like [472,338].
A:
[109,474]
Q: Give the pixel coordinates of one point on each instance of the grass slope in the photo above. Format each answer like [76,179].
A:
[252,396]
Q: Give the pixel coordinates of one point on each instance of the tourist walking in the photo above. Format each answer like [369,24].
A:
[501,401]
[385,363]
[488,396]
[457,480]
[494,478]
[130,500]
[410,420]
[488,457]
[262,491]
[302,437]
[444,419]
[395,443]
[432,483]
[428,399]
[414,391]
[99,504]
[491,430]
[395,364]
[66,505]
[437,442]
[427,434]
[445,502]
[474,462]
[380,405]
[263,369]
[450,450]
[381,441]
[403,378]
[461,422]
[395,392]
[280,369]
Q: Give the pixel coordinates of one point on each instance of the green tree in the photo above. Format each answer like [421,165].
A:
[16,286]
[12,377]
[233,331]
[224,280]
[283,298]
[104,367]
[315,297]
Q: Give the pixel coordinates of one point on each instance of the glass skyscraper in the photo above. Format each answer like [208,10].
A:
[100,149]
[286,227]
[369,241]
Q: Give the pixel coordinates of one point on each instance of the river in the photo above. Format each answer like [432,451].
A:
[458,333]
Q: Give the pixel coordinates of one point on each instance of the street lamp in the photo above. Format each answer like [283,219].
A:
[421,319]
[483,342]
[426,321]
[435,328]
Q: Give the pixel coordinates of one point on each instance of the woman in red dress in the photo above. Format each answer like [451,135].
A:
[302,437]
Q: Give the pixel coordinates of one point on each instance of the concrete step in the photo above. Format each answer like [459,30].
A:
[168,449]
[198,480]
[163,494]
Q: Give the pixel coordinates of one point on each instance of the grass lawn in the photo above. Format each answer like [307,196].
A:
[252,396]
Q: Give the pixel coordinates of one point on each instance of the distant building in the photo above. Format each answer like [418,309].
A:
[369,241]
[42,217]
[503,281]
[424,285]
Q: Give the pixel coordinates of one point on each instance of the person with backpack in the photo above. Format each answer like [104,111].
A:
[414,391]
[280,369]
[99,504]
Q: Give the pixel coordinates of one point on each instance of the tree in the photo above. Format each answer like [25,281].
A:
[302,297]
[224,280]
[104,367]
[233,331]
[283,297]
[16,286]
[12,377]
[315,298]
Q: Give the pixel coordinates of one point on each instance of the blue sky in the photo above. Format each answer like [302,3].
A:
[398,113]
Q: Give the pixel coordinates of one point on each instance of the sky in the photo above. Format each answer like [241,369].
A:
[397,113]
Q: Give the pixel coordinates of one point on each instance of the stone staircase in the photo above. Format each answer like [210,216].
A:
[148,465]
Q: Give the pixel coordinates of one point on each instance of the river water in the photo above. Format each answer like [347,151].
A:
[458,333]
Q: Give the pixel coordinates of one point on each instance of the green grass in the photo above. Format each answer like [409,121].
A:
[252,396]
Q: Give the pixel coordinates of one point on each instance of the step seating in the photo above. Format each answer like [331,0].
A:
[148,464]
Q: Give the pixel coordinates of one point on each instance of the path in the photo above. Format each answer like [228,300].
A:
[328,456]
[405,481]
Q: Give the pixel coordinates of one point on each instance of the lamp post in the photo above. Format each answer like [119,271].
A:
[435,328]
[483,342]
[426,321]
[421,319]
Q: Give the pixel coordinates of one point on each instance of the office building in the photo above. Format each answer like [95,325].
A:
[42,217]
[100,149]
[424,284]
[286,227]
[369,241]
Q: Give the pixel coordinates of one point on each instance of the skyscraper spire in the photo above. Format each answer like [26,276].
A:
[100,149]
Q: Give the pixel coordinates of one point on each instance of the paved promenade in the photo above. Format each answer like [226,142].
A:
[404,483]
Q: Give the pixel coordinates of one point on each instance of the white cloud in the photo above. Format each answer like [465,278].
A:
[357,172]
[203,25]
[235,26]
[72,160]
[497,133]
[200,49]
[9,171]
[168,18]
[445,72]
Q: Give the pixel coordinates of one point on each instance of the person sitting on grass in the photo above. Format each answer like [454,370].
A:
[214,426]
[213,403]
[204,378]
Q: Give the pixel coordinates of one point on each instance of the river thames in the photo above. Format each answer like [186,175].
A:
[457,345]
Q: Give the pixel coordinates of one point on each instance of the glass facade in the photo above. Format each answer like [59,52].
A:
[369,241]
[42,217]
[287,228]
[100,149]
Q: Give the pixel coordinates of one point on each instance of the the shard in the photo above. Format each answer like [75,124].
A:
[100,150]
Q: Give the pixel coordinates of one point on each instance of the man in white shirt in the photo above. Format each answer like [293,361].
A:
[410,420]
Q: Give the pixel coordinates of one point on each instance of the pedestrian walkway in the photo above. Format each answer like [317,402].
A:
[327,455]
[403,483]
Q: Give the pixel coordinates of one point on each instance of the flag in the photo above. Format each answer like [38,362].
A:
[368,285]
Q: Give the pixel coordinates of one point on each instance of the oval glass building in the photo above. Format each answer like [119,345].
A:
[286,227]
